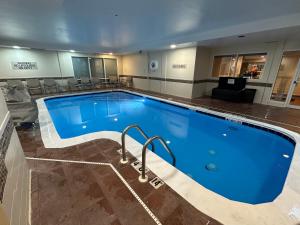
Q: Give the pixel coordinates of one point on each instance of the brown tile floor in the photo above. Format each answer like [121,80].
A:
[71,193]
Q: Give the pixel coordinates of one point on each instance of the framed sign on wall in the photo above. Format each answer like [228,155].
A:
[24,65]
[153,65]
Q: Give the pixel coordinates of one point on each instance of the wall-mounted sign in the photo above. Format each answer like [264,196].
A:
[153,65]
[179,66]
[24,65]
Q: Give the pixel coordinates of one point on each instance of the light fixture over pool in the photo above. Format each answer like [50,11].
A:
[16,47]
[173,46]
[72,50]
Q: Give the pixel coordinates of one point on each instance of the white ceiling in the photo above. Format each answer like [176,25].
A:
[91,25]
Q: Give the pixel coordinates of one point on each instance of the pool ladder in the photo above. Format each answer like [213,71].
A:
[143,177]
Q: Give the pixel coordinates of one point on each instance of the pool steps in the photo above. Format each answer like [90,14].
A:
[149,141]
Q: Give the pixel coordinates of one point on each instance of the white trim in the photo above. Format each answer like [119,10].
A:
[208,202]
[156,220]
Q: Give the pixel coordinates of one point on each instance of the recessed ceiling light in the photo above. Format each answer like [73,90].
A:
[110,53]
[72,50]
[262,56]
[241,36]
[172,46]
[16,47]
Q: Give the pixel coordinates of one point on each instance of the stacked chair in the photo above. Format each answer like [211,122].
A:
[50,86]
[34,86]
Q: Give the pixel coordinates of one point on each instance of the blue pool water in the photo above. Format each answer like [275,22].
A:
[239,162]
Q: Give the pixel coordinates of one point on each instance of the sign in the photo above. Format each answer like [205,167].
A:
[179,66]
[137,165]
[24,65]
[156,182]
[230,81]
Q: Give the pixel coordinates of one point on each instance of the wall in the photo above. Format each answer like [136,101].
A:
[202,69]
[165,79]
[49,63]
[14,209]
[196,80]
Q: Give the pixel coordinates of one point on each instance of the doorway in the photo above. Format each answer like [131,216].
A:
[287,85]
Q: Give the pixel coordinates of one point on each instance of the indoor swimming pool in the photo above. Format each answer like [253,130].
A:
[239,161]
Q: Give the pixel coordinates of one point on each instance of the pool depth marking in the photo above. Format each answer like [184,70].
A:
[156,220]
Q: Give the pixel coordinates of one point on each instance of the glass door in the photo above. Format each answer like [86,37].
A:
[294,96]
[286,80]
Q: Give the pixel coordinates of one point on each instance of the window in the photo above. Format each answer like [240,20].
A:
[110,67]
[243,65]
[81,67]
[97,68]
[94,67]
[223,66]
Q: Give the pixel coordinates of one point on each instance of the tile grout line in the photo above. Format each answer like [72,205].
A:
[136,196]
[151,214]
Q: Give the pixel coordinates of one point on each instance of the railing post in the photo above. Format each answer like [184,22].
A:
[124,159]
[143,177]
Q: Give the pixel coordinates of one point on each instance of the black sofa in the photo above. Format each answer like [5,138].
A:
[233,89]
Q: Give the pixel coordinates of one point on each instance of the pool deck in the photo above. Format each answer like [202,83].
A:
[162,206]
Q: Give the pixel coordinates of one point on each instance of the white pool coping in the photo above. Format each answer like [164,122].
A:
[285,209]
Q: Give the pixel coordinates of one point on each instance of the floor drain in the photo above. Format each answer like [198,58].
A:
[211,167]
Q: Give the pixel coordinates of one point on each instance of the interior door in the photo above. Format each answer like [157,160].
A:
[294,93]
[283,88]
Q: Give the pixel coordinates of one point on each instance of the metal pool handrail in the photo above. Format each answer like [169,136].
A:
[125,131]
[143,177]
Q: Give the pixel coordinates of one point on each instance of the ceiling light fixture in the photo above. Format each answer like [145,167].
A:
[110,53]
[72,50]
[173,46]
[16,47]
